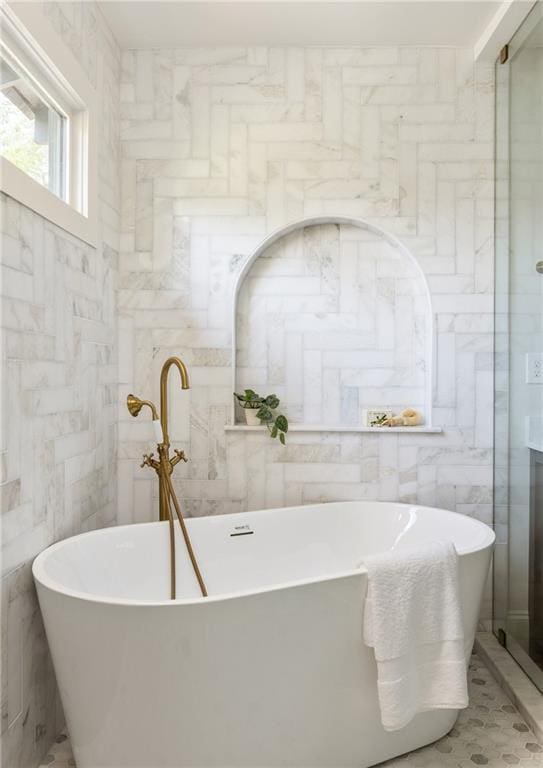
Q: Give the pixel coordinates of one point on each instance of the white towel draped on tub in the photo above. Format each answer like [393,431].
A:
[413,621]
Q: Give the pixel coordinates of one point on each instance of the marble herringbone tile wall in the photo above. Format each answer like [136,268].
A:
[59,397]
[220,147]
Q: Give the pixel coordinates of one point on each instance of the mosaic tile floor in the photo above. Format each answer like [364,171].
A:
[489,733]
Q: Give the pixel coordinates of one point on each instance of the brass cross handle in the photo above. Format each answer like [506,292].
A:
[148,461]
[179,456]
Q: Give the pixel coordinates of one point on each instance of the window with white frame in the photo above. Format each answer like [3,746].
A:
[32,131]
[46,125]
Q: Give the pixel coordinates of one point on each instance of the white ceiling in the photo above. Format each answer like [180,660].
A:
[178,23]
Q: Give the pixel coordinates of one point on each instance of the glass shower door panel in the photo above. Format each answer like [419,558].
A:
[519,343]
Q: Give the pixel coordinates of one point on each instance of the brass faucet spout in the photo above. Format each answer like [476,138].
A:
[180,365]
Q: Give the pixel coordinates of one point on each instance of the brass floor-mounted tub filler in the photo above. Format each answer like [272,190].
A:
[165,464]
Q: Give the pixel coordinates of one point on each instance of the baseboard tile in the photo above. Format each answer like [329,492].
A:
[522,692]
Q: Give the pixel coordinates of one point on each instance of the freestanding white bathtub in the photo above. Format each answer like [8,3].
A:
[268,671]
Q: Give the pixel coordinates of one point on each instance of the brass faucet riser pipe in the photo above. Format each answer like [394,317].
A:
[180,365]
[173,579]
[162,502]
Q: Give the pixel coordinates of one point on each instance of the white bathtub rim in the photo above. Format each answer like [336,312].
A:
[40,576]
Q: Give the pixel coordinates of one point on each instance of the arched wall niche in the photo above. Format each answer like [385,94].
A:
[333,314]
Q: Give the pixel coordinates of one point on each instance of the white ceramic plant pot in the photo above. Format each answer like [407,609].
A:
[251,418]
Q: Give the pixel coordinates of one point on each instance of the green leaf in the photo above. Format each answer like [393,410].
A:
[282,423]
[264,414]
[250,394]
[274,431]
[272,401]
[282,438]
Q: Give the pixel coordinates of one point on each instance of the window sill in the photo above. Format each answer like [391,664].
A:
[26,191]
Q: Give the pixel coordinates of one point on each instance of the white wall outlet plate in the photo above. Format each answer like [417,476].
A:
[534,368]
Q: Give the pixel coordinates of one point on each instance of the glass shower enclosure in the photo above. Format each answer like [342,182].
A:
[518,385]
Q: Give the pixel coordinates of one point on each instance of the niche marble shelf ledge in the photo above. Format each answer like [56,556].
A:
[337,428]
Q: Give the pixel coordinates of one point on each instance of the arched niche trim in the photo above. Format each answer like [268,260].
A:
[282,232]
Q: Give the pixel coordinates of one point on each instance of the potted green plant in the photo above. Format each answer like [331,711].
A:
[260,410]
